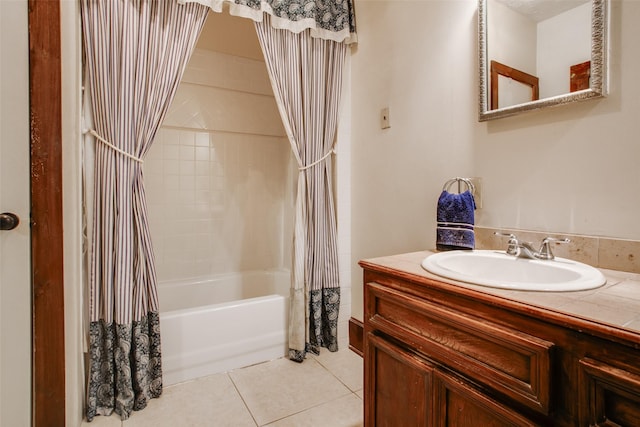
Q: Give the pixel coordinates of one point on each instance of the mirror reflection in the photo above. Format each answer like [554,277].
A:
[537,53]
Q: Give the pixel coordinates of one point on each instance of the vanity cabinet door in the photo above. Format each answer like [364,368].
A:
[610,396]
[398,385]
[456,404]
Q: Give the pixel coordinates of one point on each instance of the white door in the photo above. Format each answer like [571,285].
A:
[15,281]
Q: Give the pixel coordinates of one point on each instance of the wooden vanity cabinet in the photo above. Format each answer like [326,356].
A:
[437,354]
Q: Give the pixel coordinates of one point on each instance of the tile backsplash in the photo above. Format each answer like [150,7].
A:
[601,252]
[219,176]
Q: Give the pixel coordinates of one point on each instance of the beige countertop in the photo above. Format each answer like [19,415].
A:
[617,303]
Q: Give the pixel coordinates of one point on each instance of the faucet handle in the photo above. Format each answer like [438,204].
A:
[512,249]
[545,249]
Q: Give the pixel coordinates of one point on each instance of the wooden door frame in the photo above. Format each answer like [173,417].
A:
[498,69]
[47,272]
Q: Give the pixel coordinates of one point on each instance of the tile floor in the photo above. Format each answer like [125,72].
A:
[323,391]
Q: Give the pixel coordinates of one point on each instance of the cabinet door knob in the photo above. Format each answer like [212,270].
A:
[8,221]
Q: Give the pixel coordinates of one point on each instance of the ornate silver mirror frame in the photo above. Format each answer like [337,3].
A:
[598,80]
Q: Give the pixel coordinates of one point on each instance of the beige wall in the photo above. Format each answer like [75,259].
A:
[563,41]
[229,34]
[512,37]
[74,307]
[571,169]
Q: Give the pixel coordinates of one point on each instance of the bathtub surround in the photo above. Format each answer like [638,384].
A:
[220,174]
[125,368]
[218,202]
[306,76]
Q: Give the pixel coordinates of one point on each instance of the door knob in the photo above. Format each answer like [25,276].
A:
[8,221]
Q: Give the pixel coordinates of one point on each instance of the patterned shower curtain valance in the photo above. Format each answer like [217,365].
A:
[326,19]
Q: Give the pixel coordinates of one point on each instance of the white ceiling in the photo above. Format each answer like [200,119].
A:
[539,10]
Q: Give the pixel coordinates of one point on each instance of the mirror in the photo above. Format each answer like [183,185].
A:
[540,53]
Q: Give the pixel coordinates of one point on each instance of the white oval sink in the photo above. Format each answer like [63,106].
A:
[499,270]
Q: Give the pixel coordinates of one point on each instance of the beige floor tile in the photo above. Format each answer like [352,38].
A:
[317,392]
[281,387]
[205,402]
[342,412]
[345,365]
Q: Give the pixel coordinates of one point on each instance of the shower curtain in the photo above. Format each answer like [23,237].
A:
[135,54]
[306,75]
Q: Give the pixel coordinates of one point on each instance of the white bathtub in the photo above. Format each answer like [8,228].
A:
[222,323]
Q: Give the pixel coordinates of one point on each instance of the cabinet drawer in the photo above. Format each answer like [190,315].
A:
[508,361]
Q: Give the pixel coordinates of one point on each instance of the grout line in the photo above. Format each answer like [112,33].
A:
[204,51]
[314,358]
[202,130]
[309,408]
[242,398]
[229,89]
[334,375]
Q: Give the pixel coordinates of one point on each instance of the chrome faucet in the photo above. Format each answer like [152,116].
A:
[545,249]
[525,249]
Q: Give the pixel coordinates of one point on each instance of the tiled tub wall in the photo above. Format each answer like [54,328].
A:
[602,252]
[219,174]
